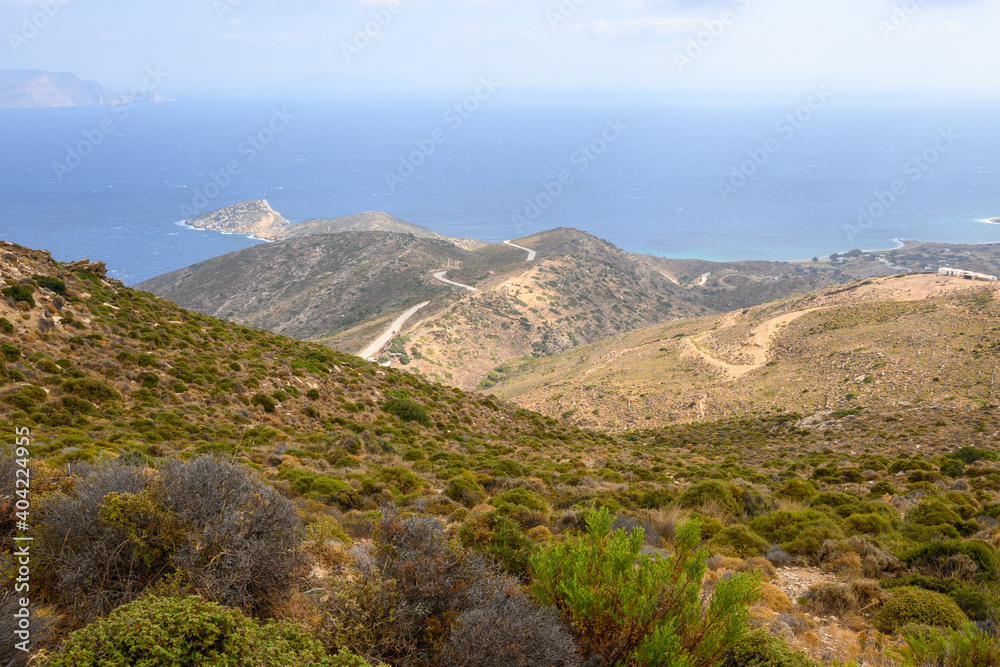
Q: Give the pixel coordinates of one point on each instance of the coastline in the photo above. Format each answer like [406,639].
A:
[186,224]
[900,244]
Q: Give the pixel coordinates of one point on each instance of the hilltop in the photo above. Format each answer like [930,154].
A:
[28,89]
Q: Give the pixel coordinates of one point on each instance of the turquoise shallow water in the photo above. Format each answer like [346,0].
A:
[715,181]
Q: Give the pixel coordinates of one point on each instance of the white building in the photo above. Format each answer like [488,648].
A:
[968,275]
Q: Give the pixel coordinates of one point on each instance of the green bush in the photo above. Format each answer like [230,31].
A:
[915,605]
[737,541]
[10,352]
[500,538]
[984,555]
[948,648]
[167,632]
[977,602]
[797,489]
[6,326]
[882,488]
[711,490]
[797,532]
[51,283]
[264,401]
[407,410]
[465,489]
[866,524]
[19,293]
[759,648]
[91,389]
[627,607]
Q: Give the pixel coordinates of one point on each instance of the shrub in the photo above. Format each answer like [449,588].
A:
[628,607]
[797,532]
[411,592]
[10,352]
[164,632]
[264,401]
[866,524]
[91,389]
[948,648]
[933,555]
[882,488]
[758,648]
[241,536]
[407,410]
[465,489]
[915,605]
[501,539]
[509,630]
[977,603]
[19,293]
[710,490]
[6,326]
[205,524]
[737,541]
[798,490]
[51,283]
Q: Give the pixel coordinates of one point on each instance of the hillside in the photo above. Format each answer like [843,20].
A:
[313,286]
[124,397]
[343,289]
[887,342]
[578,290]
[29,89]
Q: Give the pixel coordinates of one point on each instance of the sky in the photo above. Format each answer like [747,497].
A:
[677,47]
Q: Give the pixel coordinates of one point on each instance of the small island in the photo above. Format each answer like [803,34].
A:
[250,217]
[36,89]
[995,221]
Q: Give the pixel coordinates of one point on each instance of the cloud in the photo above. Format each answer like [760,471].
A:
[640,29]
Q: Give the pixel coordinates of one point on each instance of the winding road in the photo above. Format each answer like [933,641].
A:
[531,253]
[440,275]
[398,323]
[759,346]
[393,329]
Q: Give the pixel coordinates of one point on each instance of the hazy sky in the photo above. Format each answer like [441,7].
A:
[930,46]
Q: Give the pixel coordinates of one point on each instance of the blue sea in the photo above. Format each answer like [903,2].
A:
[717,180]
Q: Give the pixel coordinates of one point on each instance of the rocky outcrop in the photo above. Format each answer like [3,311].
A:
[250,217]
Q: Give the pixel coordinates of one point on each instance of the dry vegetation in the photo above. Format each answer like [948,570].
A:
[420,525]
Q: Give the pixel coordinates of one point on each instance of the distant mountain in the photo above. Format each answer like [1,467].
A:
[28,89]
[258,218]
